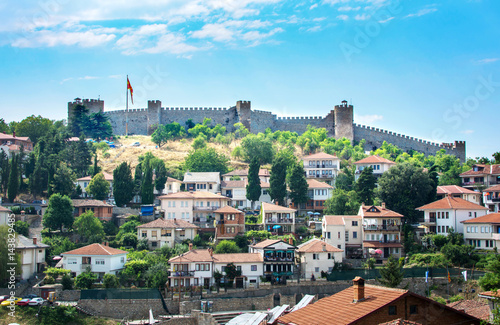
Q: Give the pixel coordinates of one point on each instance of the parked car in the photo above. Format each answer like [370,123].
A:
[23,302]
[36,301]
[7,302]
[31,296]
[136,144]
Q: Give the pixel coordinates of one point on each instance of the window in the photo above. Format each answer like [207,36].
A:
[468,228]
[315,257]
[144,233]
[122,259]
[447,228]
[354,234]
[413,309]
[339,234]
[339,246]
[329,256]
[207,267]
[197,267]
[253,268]
[347,236]
[71,260]
[182,233]
[154,233]
[154,244]
[99,262]
[393,310]
[316,269]
[447,215]
[354,223]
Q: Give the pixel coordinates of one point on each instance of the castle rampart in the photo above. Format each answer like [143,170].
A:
[338,123]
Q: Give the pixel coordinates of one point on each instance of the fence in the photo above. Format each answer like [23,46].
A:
[415,272]
[121,294]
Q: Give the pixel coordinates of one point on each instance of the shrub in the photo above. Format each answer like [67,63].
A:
[110,281]
[67,282]
[49,280]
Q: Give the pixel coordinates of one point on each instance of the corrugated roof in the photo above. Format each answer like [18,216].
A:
[168,223]
[276,208]
[454,189]
[90,203]
[375,159]
[193,177]
[320,155]
[489,218]
[313,183]
[95,249]
[315,245]
[453,203]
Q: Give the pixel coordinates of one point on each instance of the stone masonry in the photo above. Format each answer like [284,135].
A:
[338,123]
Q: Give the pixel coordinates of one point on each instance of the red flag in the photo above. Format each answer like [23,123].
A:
[129,87]
[449,277]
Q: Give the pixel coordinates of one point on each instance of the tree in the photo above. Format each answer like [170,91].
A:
[391,273]
[85,280]
[138,179]
[64,180]
[34,127]
[147,188]
[226,247]
[123,184]
[403,188]
[345,180]
[253,187]
[5,257]
[4,171]
[160,136]
[98,126]
[79,156]
[298,184]
[257,146]
[89,227]
[342,203]
[13,187]
[98,187]
[78,120]
[67,282]
[59,212]
[157,275]
[206,160]
[366,185]
[277,182]
[232,272]
[110,281]
[496,157]
[95,169]
[200,142]
[22,228]
[160,175]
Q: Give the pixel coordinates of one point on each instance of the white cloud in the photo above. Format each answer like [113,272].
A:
[422,12]
[319,19]
[171,43]
[343,17]
[367,119]
[362,17]
[349,8]
[314,29]
[487,60]
[218,32]
[386,20]
[467,131]
[49,38]
[313,6]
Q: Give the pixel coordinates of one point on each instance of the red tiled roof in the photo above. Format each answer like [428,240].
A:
[90,203]
[4,209]
[489,218]
[495,188]
[239,258]
[312,183]
[375,160]
[171,179]
[233,184]
[228,209]
[278,208]
[453,203]
[320,155]
[193,195]
[266,243]
[454,189]
[334,220]
[479,309]
[4,136]
[95,249]
[195,255]
[244,172]
[485,170]
[316,245]
[380,212]
[108,177]
[400,321]
[168,223]
[265,185]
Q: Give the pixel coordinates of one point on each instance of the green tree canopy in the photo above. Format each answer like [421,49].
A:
[64,180]
[34,127]
[147,188]
[85,280]
[342,203]
[123,184]
[98,187]
[226,247]
[206,160]
[297,183]
[59,212]
[253,187]
[257,146]
[391,273]
[365,186]
[277,189]
[89,227]
[13,187]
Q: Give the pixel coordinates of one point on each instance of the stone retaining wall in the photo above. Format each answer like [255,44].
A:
[122,308]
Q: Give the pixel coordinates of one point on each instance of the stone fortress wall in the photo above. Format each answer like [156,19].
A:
[338,123]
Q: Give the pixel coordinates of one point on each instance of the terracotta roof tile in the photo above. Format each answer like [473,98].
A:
[233,184]
[379,212]
[479,309]
[400,321]
[4,209]
[495,188]
[278,208]
[454,189]
[95,249]
[265,185]
[266,243]
[195,255]
[239,258]
[375,160]
[484,170]
[193,177]
[108,177]
[334,220]
[489,218]
[168,223]
[244,172]
[228,209]
[452,203]
[316,245]
[173,180]
[320,155]
[313,183]
[90,203]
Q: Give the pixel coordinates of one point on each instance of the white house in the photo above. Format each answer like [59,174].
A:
[317,256]
[32,255]
[457,191]
[441,215]
[344,233]
[279,259]
[84,182]
[318,192]
[197,266]
[99,258]
[379,165]
[491,198]
[278,219]
[483,232]
[4,215]
[321,166]
[161,232]
[195,207]
[196,181]
[236,191]
[172,185]
[242,174]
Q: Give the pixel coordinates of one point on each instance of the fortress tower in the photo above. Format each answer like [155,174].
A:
[243,109]
[344,121]
[154,114]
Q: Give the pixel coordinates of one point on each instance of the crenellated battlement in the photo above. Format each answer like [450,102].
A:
[287,118]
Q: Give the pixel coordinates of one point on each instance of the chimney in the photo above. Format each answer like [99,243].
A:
[359,289]
[324,247]
[383,205]
[190,246]
[211,252]
[34,240]
[276,203]
[290,240]
[175,221]
[14,134]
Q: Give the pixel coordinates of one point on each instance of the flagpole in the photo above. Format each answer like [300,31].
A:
[126,110]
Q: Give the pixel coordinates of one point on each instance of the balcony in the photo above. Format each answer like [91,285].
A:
[278,259]
[178,274]
[495,236]
[204,208]
[85,266]
[271,221]
[382,228]
[472,183]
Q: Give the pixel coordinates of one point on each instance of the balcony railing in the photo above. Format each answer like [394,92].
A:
[382,227]
[472,183]
[278,259]
[181,273]
[85,266]
[279,221]
[204,208]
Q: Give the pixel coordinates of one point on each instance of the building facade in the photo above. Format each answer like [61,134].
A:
[277,219]
[483,232]
[32,256]
[322,166]
[205,182]
[316,257]
[344,233]
[169,232]
[278,257]
[379,165]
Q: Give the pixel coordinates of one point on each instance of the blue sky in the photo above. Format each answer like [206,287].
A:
[422,68]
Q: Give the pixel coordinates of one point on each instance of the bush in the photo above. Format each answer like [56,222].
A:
[490,281]
[439,299]
[22,228]
[85,280]
[67,282]
[49,280]
[56,272]
[110,281]
[435,260]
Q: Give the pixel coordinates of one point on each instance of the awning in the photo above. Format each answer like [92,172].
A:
[376,244]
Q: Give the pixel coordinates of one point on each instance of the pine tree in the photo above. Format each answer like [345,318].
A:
[4,171]
[298,184]
[96,168]
[147,195]
[391,274]
[13,187]
[366,185]
[138,179]
[123,184]
[160,175]
[253,187]
[277,189]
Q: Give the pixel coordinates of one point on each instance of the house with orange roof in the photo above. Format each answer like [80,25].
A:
[369,304]
[277,219]
[442,215]
[483,232]
[84,182]
[278,257]
[381,231]
[318,192]
[242,175]
[100,259]
[379,165]
[491,198]
[197,266]
[161,232]
[230,223]
[481,176]
[317,256]
[195,207]
[321,166]
[458,191]
[10,143]
[344,233]
[102,210]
